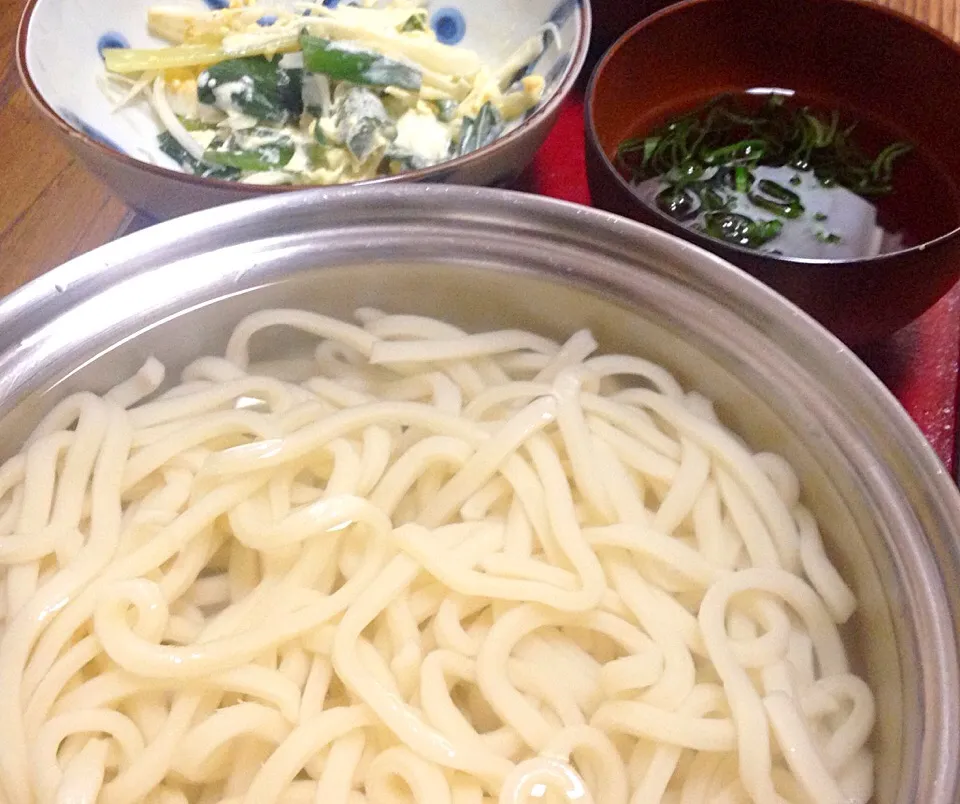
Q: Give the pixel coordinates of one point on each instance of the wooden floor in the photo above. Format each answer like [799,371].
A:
[51,209]
[944,15]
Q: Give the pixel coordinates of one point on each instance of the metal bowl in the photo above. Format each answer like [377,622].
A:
[487,258]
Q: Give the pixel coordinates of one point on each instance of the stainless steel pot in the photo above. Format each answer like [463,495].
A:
[487,258]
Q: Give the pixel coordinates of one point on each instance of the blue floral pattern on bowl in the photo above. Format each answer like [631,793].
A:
[111,39]
[87,129]
[449,25]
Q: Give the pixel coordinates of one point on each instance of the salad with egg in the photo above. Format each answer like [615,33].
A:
[317,95]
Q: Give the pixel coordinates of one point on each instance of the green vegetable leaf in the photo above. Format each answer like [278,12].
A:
[193,125]
[251,151]
[169,145]
[446,109]
[319,136]
[480,130]
[363,124]
[415,22]
[345,61]
[255,86]
[406,160]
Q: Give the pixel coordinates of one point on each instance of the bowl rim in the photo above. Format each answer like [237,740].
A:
[729,250]
[540,115]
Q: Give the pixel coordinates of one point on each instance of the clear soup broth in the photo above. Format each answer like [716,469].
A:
[789,174]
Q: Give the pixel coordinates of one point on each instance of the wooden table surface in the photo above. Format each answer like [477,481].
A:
[51,209]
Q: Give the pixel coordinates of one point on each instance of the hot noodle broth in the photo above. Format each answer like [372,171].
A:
[790,175]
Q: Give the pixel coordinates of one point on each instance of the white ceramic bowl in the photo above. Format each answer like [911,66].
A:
[58,54]
[486,259]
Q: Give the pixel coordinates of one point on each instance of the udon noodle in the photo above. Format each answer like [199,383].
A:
[416,565]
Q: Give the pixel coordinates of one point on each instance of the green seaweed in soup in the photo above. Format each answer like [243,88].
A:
[767,173]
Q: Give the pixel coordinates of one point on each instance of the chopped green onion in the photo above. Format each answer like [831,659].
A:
[739,230]
[767,230]
[678,202]
[712,201]
[736,153]
[777,199]
[729,227]
[346,61]
[722,134]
